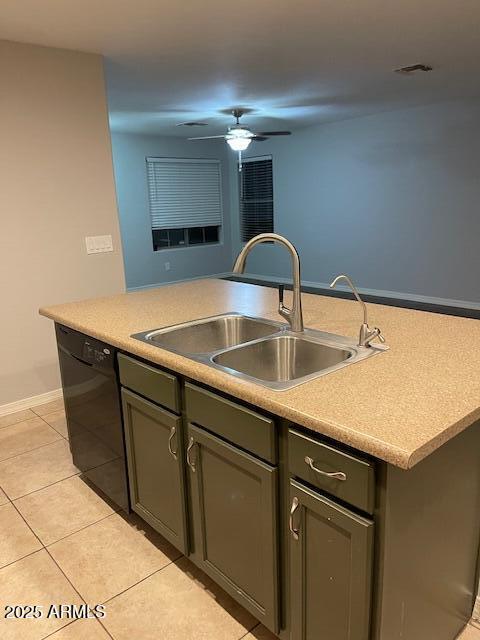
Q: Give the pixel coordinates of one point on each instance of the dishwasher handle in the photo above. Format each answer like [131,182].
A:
[88,364]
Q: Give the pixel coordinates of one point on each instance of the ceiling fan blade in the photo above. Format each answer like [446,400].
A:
[275,133]
[259,138]
[205,137]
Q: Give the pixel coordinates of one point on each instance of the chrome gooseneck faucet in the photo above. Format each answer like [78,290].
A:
[366,334]
[294,315]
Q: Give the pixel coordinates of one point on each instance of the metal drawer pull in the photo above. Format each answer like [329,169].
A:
[293,508]
[337,475]
[191,464]
[173,431]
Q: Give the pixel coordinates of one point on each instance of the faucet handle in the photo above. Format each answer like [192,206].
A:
[281,289]
[371,335]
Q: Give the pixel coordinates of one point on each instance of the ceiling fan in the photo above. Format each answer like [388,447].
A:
[239,137]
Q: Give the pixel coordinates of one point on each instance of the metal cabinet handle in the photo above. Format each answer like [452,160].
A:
[173,431]
[293,508]
[337,475]
[191,464]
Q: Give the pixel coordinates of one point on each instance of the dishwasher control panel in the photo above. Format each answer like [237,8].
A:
[96,353]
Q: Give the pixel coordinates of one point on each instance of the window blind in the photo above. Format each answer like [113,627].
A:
[184,193]
[256,197]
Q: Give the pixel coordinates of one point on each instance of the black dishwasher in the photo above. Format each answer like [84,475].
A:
[92,407]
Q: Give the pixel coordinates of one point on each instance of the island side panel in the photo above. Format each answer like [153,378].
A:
[427,545]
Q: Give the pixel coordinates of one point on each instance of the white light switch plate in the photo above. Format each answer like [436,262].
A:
[98,244]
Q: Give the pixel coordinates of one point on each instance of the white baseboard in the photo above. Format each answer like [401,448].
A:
[33,401]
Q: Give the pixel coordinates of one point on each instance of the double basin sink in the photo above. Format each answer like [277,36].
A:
[259,350]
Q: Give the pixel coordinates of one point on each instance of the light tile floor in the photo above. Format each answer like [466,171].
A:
[61,543]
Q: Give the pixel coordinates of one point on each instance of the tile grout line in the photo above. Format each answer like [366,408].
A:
[25,452]
[28,525]
[105,628]
[51,425]
[257,624]
[250,630]
[45,403]
[140,581]
[120,592]
[65,576]
[73,622]
[17,455]
[7,496]
[105,602]
[180,557]
[14,424]
[35,448]
[34,416]
[57,630]
[32,553]
[44,548]
[76,591]
[32,411]
[41,488]
[109,515]
[114,511]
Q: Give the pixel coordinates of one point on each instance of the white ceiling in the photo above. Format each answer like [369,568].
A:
[294,62]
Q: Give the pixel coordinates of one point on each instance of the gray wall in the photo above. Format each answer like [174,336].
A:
[391,199]
[143,265]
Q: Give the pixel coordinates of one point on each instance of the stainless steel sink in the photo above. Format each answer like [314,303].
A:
[259,350]
[212,334]
[283,359]
[269,353]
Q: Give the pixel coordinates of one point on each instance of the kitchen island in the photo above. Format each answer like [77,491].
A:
[394,548]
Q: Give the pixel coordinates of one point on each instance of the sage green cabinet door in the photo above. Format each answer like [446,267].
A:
[330,571]
[155,466]
[235,522]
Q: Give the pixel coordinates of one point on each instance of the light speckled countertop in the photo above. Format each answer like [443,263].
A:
[399,406]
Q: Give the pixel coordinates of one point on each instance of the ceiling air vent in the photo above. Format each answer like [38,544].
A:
[414,68]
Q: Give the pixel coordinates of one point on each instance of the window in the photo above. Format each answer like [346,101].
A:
[256,197]
[185,237]
[185,196]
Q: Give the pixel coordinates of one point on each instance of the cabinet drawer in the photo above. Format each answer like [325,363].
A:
[312,461]
[231,421]
[152,383]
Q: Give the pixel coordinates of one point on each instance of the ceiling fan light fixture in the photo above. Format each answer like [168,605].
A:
[238,143]
[239,137]
[239,132]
